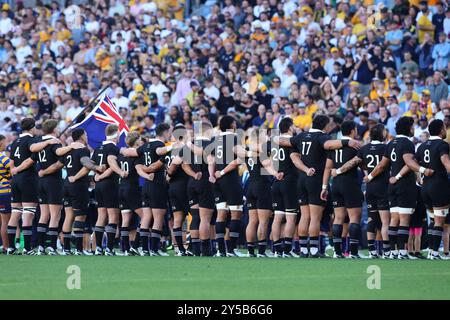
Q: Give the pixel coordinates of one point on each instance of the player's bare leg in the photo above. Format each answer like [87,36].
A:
[440,214]
[303,230]
[392,232]
[178,220]
[42,228]
[338,225]
[250,231]
[99,230]
[403,233]
[222,214]
[288,234]
[4,230]
[204,231]
[67,229]
[158,221]
[263,226]
[276,233]
[55,217]
[316,213]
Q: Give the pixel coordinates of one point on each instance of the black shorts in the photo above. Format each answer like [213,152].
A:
[309,189]
[51,190]
[229,190]
[402,195]
[178,196]
[259,195]
[284,195]
[155,195]
[436,193]
[201,192]
[24,188]
[377,197]
[76,195]
[375,217]
[346,193]
[129,198]
[107,194]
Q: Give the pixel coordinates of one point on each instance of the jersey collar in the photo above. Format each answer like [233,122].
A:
[285,136]
[153,140]
[402,136]
[375,142]
[202,138]
[225,133]
[46,137]
[434,138]
[315,130]
[346,138]
[108,142]
[25,134]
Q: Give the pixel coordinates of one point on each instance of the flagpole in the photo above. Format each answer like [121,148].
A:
[82,112]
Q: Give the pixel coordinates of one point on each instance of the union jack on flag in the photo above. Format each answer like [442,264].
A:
[95,123]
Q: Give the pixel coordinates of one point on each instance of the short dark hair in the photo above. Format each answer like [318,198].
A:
[27,124]
[77,134]
[285,124]
[347,127]
[377,132]
[435,127]
[320,122]
[226,122]
[49,126]
[2,137]
[160,128]
[403,126]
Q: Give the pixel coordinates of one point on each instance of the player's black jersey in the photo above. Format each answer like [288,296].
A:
[281,158]
[72,162]
[200,163]
[254,165]
[310,146]
[20,151]
[147,156]
[100,157]
[395,150]
[179,174]
[340,157]
[47,156]
[371,155]
[223,151]
[429,156]
[128,164]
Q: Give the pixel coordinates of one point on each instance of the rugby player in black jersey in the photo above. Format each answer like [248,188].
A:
[107,190]
[178,172]
[312,147]
[78,164]
[130,201]
[51,185]
[23,186]
[346,193]
[284,194]
[200,190]
[399,156]
[258,195]
[155,190]
[376,192]
[228,190]
[434,154]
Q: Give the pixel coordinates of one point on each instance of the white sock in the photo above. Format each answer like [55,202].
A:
[313,250]
[403,252]
[304,250]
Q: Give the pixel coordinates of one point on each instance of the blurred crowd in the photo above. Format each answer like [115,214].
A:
[258,61]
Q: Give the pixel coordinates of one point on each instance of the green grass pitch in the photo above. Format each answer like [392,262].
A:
[220,278]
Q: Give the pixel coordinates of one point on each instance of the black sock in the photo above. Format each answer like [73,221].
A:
[99,230]
[295,246]
[41,234]
[220,236]
[137,240]
[287,245]
[322,244]
[337,238]
[386,246]
[313,244]
[156,240]
[11,236]
[79,240]
[371,245]
[402,238]
[430,238]
[27,233]
[67,236]
[196,246]
[206,247]
[303,244]
[278,246]
[437,237]
[144,234]
[111,230]
[251,247]
[234,233]
[355,233]
[262,244]
[53,236]
[178,234]
[392,232]
[125,238]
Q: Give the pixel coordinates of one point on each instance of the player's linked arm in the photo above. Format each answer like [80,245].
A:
[445,159]
[140,171]
[338,144]
[112,162]
[90,164]
[298,163]
[51,169]
[409,160]
[153,167]
[267,164]
[230,167]
[80,174]
[61,151]
[39,146]
[350,164]
[326,177]
[188,170]
[380,167]
[23,166]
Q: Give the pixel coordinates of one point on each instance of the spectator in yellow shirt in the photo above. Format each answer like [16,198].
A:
[303,120]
